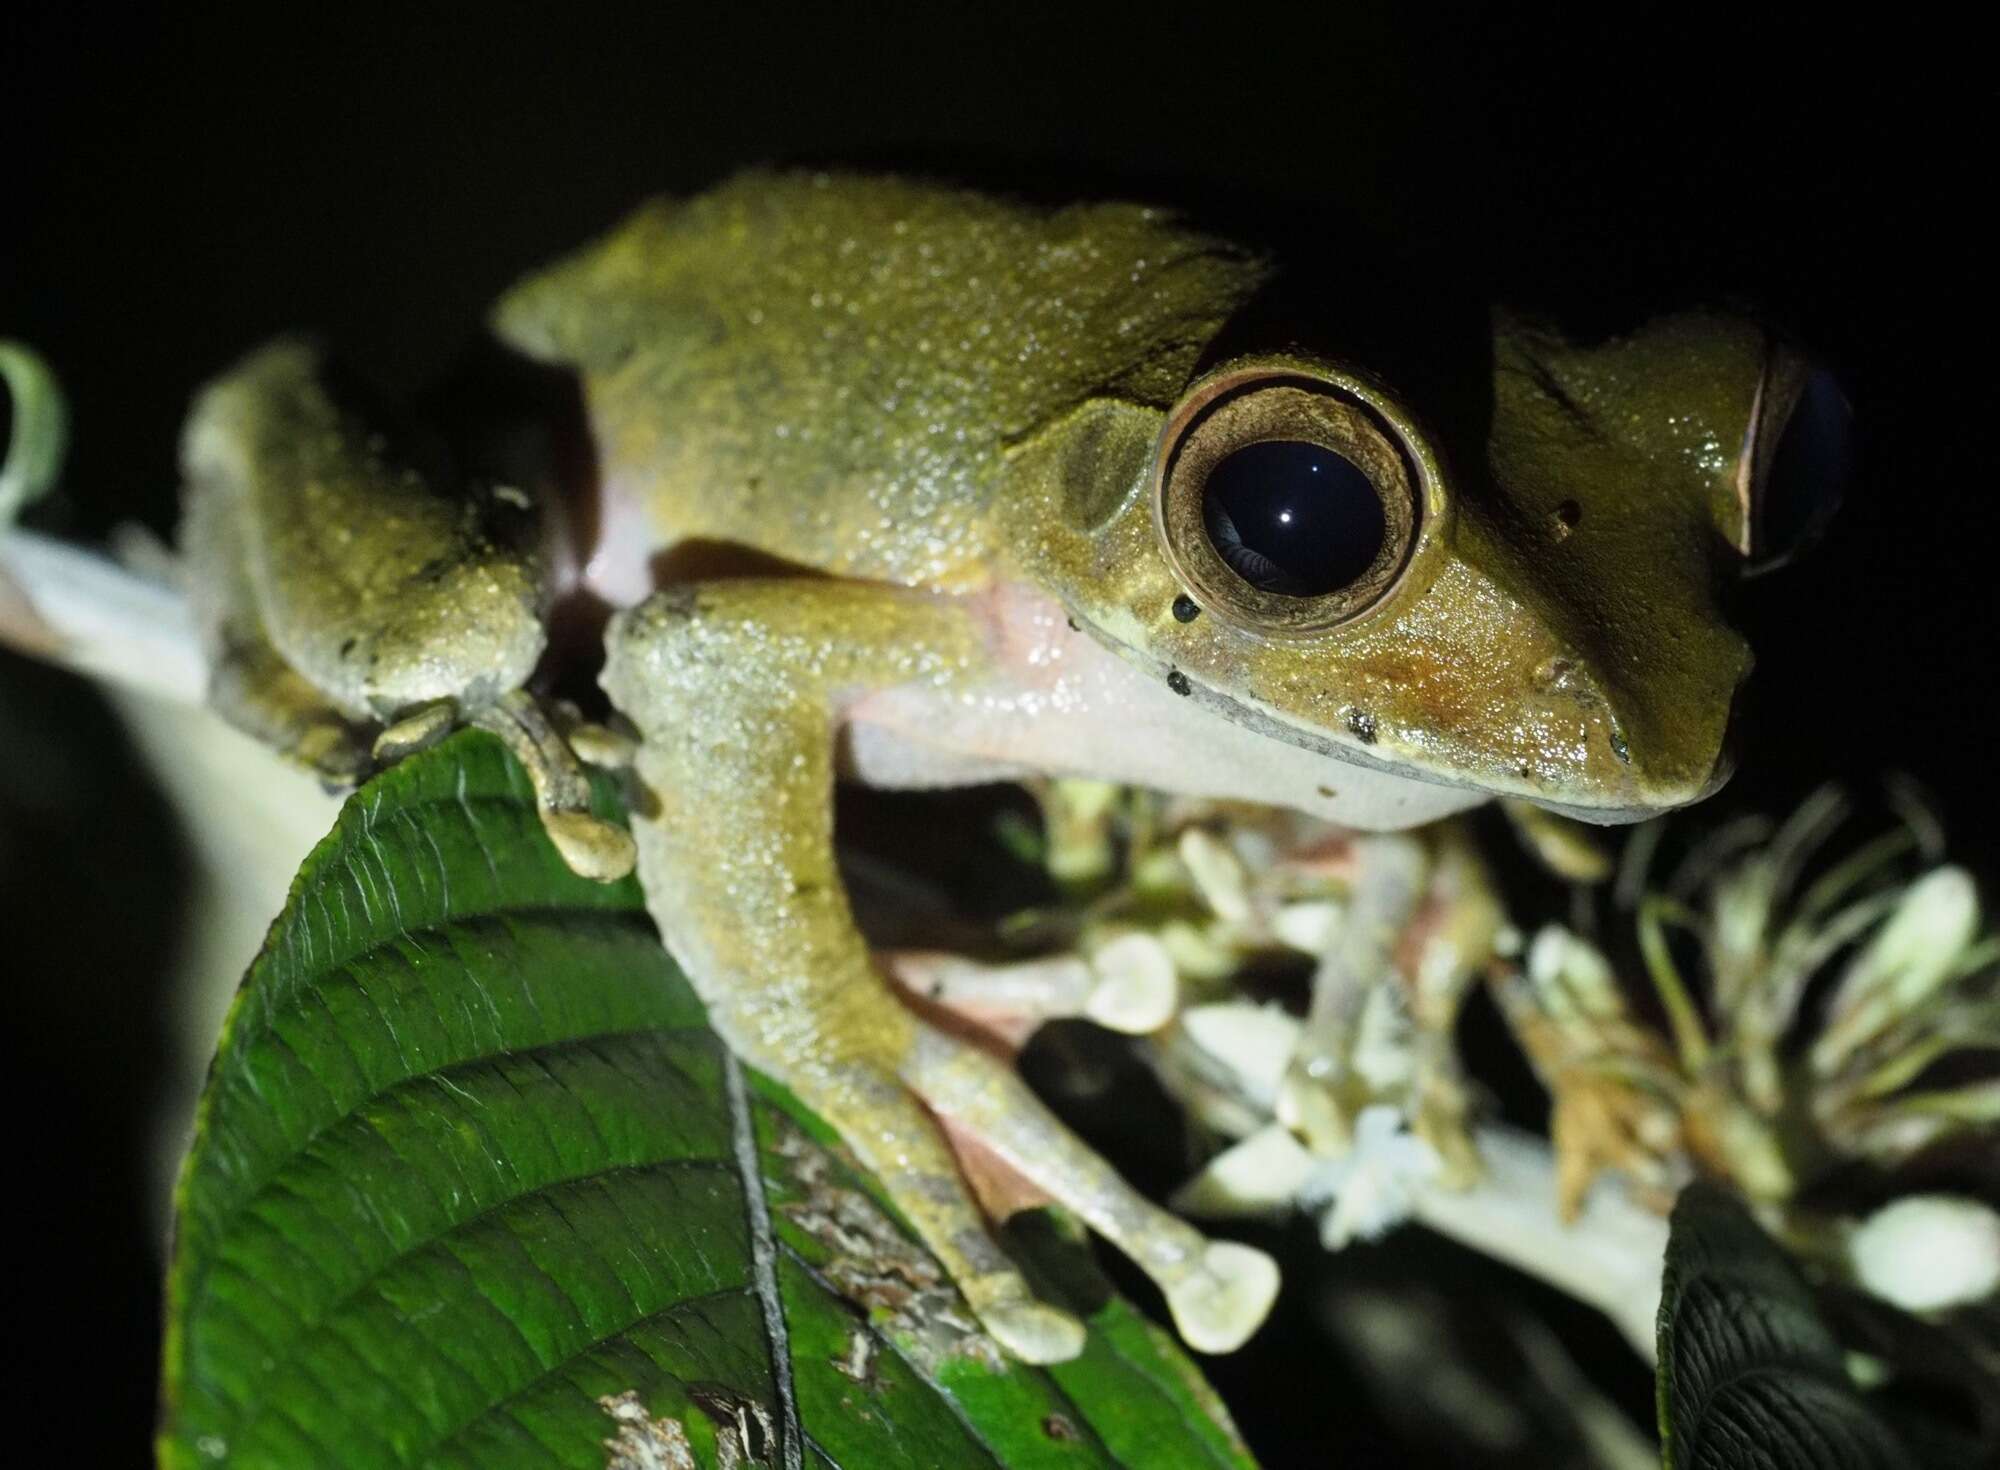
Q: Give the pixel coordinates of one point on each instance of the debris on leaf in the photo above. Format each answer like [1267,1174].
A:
[643,1442]
[878,1268]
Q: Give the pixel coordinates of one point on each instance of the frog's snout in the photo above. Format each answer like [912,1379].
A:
[1644,749]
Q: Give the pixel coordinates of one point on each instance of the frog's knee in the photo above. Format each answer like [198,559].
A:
[655,648]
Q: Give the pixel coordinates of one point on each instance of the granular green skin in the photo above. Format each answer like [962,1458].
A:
[881,379]
[951,418]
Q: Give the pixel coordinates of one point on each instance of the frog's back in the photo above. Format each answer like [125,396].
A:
[828,369]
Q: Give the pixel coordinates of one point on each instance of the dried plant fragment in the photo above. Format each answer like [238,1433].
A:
[878,1268]
[643,1442]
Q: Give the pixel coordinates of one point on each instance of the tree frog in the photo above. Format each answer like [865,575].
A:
[918,486]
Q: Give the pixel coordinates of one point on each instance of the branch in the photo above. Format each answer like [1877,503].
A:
[1610,1256]
[83,610]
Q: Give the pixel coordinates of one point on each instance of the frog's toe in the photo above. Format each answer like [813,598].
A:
[1137,990]
[593,848]
[1225,1298]
[418,730]
[1034,1332]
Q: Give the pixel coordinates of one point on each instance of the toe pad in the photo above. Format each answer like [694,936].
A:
[1035,1332]
[1226,1298]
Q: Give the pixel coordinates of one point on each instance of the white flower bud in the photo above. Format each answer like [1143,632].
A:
[1928,1252]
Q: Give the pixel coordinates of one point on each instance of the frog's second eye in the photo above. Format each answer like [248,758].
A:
[1284,503]
[1800,463]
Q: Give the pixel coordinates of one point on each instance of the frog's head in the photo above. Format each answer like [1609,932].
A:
[1532,609]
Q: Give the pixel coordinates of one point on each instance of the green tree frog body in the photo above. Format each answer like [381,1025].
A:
[1025,490]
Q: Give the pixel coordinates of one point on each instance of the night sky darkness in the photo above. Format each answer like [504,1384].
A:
[177,188]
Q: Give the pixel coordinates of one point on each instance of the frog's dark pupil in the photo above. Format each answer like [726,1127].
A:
[1293,518]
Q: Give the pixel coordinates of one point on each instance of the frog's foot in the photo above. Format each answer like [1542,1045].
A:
[735,688]
[1218,1292]
[593,847]
[1126,984]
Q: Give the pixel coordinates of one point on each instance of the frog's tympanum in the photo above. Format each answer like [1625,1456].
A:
[920,487]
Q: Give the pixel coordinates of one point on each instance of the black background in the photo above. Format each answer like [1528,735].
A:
[177,186]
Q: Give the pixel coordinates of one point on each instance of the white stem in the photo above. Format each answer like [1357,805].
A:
[81,609]
[1610,1256]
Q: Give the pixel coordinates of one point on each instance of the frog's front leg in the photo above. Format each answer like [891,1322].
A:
[738,690]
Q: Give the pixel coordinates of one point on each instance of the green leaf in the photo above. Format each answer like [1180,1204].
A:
[1751,1377]
[473,1184]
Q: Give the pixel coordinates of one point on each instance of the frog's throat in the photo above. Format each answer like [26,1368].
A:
[1263,722]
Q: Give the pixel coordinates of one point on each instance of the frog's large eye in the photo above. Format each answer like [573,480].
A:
[1284,502]
[1800,460]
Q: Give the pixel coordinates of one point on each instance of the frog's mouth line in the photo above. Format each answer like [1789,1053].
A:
[1262,722]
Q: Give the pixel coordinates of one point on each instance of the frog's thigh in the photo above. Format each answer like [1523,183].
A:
[732,686]
[250,684]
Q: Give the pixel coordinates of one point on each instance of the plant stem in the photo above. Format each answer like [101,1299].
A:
[81,609]
[1609,1256]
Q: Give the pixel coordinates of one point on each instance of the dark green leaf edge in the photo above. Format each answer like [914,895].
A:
[1750,1376]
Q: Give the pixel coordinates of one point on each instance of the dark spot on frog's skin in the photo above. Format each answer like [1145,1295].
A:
[1074,625]
[1327,792]
[348,647]
[1361,725]
[1178,682]
[1186,609]
[1619,748]
[1055,1426]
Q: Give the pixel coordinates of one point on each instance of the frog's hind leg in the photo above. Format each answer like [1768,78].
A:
[345,582]
[249,682]
[735,689]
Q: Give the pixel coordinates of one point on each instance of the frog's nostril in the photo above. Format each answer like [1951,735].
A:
[1671,752]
